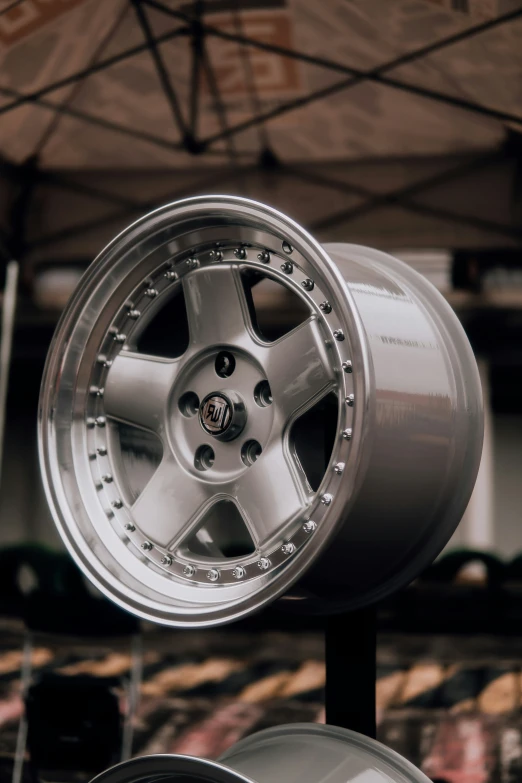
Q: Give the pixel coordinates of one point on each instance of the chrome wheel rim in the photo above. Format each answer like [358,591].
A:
[312,753]
[133,548]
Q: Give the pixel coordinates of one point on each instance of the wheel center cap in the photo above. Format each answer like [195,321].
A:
[215,414]
[222,415]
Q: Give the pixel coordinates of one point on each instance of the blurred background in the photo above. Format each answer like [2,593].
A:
[390,123]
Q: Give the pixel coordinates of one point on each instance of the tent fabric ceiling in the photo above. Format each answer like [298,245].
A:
[389,122]
[183,73]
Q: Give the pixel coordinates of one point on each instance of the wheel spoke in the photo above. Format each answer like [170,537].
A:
[166,509]
[270,493]
[216,306]
[298,368]
[137,389]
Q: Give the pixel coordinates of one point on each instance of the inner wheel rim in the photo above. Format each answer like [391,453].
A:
[115,383]
[200,274]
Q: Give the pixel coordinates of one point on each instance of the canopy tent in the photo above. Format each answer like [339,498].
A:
[392,123]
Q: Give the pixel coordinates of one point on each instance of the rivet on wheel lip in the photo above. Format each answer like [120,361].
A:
[103,361]
[309,526]
[347,434]
[100,421]
[326,307]
[96,391]
[338,468]
[166,560]
[339,334]
[151,293]
[287,267]
[171,275]
[216,255]
[147,546]
[350,400]
[263,563]
[134,314]
[189,570]
[130,528]
[308,284]
[347,366]
[240,253]
[326,500]
[213,575]
[238,572]
[107,478]
[120,338]
[264,257]
[102,451]
[287,248]
[117,503]
[288,548]
[192,263]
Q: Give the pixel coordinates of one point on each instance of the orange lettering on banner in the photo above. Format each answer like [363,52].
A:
[29,16]
[273,74]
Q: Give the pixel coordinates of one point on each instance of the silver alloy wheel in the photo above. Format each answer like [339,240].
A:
[227,518]
[311,753]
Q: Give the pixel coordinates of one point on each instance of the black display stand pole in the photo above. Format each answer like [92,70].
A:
[351,669]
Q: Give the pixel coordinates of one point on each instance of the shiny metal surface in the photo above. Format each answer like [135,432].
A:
[145,537]
[190,529]
[422,440]
[295,753]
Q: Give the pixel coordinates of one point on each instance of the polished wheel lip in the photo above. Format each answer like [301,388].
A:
[346,736]
[243,212]
[169,766]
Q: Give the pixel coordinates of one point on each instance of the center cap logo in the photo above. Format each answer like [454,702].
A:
[215,414]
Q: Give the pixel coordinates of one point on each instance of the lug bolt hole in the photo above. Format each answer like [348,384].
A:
[204,458]
[251,452]
[188,404]
[225,364]
[263,394]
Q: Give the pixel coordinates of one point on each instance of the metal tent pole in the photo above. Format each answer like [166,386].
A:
[6,342]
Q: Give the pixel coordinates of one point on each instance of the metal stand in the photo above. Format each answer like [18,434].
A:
[351,668]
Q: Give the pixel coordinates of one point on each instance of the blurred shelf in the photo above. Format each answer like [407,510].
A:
[495,299]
